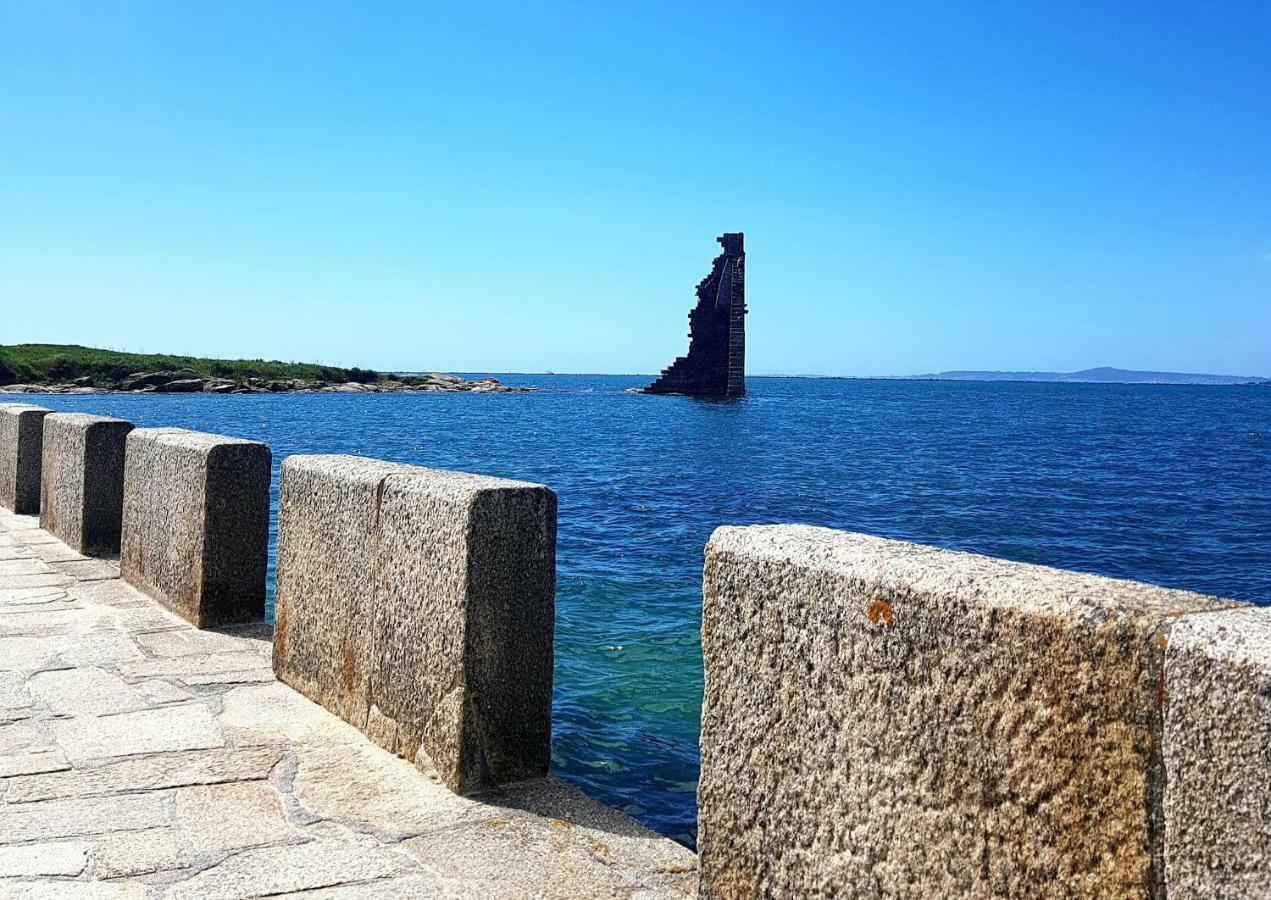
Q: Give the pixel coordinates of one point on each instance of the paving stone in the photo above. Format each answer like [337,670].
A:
[30,565]
[13,691]
[15,764]
[89,691]
[161,693]
[27,736]
[41,580]
[223,817]
[276,870]
[411,887]
[366,787]
[66,858]
[482,857]
[164,770]
[149,731]
[72,890]
[72,818]
[87,569]
[272,712]
[206,642]
[127,853]
[192,666]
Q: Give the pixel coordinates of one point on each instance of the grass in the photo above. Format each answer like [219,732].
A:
[63,363]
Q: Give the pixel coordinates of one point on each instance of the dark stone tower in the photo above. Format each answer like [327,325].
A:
[716,361]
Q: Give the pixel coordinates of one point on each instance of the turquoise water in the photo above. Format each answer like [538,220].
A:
[1170,485]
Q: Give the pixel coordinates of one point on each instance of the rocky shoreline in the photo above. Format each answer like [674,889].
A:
[185,382]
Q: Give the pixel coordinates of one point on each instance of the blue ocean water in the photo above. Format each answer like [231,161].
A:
[1170,485]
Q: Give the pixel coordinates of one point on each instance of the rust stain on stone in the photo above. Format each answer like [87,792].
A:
[881,610]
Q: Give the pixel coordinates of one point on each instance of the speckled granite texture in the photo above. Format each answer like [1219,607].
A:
[196,523]
[82,481]
[1218,756]
[141,758]
[418,605]
[21,443]
[888,720]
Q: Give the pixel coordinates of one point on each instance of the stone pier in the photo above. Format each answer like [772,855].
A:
[143,758]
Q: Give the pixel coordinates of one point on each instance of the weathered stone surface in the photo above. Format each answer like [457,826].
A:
[196,523]
[884,719]
[276,870]
[71,818]
[66,858]
[82,481]
[417,604]
[1218,756]
[253,808]
[124,853]
[148,731]
[90,691]
[147,773]
[21,443]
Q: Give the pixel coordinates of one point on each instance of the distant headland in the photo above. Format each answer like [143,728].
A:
[71,369]
[1103,375]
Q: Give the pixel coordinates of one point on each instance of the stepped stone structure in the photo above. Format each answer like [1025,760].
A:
[418,605]
[21,446]
[883,719]
[716,362]
[82,481]
[196,523]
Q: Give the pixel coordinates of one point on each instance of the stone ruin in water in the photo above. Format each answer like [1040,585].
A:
[716,362]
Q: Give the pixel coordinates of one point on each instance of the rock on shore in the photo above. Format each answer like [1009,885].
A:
[187,382]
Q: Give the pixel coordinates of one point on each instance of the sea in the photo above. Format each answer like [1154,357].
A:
[1165,484]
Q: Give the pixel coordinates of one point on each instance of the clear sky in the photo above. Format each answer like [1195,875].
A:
[525,186]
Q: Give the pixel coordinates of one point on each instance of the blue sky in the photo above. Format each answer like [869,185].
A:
[523,187]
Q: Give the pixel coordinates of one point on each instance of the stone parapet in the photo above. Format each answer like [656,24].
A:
[82,481]
[1218,756]
[885,719]
[196,523]
[418,605]
[21,443]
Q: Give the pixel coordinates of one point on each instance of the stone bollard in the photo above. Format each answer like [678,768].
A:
[82,481]
[886,719]
[418,605]
[21,442]
[196,523]
[1218,756]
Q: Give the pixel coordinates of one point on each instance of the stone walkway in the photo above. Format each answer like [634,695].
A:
[142,758]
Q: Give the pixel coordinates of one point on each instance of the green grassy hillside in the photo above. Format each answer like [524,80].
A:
[63,363]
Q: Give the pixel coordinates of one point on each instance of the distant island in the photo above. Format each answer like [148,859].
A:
[71,369]
[1103,375]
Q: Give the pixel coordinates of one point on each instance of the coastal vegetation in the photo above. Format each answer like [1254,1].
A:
[69,368]
[45,364]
